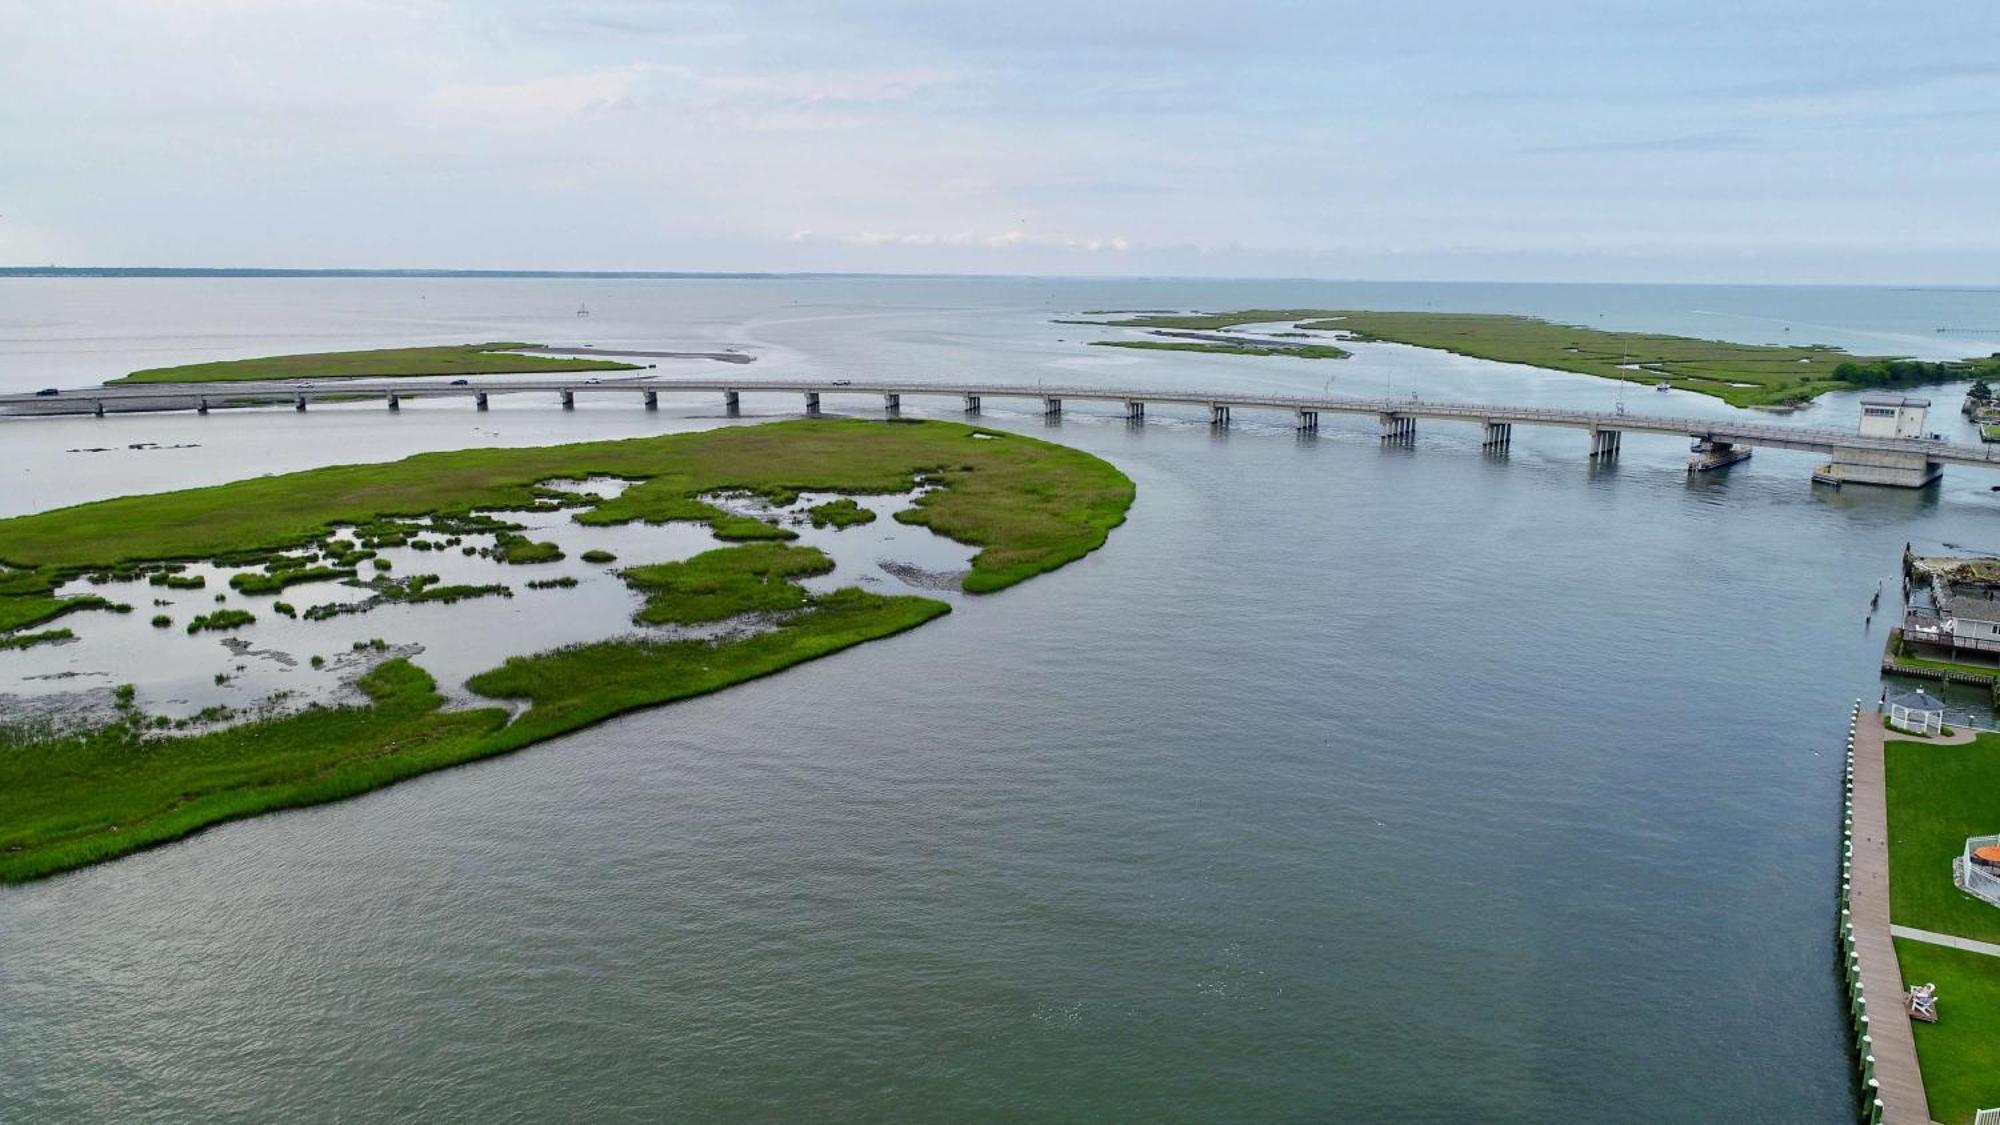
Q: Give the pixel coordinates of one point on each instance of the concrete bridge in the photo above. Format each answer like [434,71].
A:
[1716,441]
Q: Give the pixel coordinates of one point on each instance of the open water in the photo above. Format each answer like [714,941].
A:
[1347,783]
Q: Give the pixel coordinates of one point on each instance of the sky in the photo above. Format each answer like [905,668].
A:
[1833,141]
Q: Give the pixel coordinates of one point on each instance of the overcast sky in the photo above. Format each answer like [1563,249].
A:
[1822,141]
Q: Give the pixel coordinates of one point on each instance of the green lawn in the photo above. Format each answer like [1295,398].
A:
[76,798]
[1742,374]
[1960,1054]
[1900,652]
[1938,796]
[1989,433]
[450,359]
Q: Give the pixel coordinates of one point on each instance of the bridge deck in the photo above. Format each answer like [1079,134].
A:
[183,396]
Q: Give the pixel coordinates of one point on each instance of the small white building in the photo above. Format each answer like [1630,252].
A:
[1918,712]
[1894,416]
[1886,416]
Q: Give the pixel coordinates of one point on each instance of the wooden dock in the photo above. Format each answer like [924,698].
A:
[1884,1022]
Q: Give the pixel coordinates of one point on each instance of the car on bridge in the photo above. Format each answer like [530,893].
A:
[47,392]
[459,382]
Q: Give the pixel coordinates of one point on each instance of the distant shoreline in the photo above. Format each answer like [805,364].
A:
[227,271]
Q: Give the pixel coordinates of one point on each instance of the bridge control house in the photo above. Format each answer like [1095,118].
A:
[1886,416]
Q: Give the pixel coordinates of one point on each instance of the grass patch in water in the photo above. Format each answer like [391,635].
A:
[222,620]
[30,640]
[252,582]
[67,800]
[22,612]
[520,550]
[841,513]
[450,359]
[1300,351]
[1740,374]
[724,583]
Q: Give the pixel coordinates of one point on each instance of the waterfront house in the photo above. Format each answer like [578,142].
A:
[1953,604]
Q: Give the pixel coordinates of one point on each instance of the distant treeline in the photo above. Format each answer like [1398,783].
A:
[1902,372]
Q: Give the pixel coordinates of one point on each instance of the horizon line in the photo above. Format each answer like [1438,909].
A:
[49,271]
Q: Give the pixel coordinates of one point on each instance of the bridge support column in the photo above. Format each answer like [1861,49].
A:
[1499,435]
[569,400]
[299,403]
[1603,443]
[652,400]
[1398,427]
[1308,419]
[1710,454]
[732,402]
[892,404]
[1218,414]
[1051,407]
[972,404]
[479,401]
[395,401]
[201,405]
[812,403]
[1893,469]
[97,408]
[1135,411]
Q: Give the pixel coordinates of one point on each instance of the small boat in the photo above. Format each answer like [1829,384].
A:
[1663,386]
[583,310]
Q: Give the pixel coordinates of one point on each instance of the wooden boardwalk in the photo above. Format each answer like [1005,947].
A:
[1902,1083]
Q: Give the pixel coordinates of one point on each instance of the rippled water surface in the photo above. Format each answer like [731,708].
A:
[1348,782]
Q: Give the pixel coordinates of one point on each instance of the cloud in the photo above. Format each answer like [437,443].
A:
[1693,142]
[535,102]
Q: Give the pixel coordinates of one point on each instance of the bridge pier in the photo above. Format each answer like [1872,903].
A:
[1877,466]
[1135,411]
[97,407]
[1499,435]
[892,403]
[201,405]
[812,404]
[568,400]
[972,404]
[1603,443]
[732,403]
[395,402]
[299,403]
[479,400]
[1398,427]
[652,400]
[1051,407]
[1218,414]
[1710,454]
[1308,419]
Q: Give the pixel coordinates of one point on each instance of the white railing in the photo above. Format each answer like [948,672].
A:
[1977,879]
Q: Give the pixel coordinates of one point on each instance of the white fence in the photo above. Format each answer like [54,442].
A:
[1976,879]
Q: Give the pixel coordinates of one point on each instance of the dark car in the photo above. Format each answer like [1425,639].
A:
[458,382]
[45,392]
